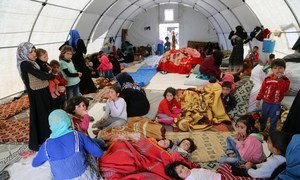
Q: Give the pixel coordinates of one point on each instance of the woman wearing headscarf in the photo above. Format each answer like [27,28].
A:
[65,150]
[37,86]
[292,170]
[134,95]
[237,55]
[86,84]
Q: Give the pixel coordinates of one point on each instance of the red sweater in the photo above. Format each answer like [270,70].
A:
[208,67]
[272,90]
[165,107]
[58,81]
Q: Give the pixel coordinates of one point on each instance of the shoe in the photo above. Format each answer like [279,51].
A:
[164,121]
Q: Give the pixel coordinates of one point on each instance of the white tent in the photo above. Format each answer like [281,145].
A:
[46,23]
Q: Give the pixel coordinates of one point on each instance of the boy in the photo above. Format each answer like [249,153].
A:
[57,86]
[272,92]
[267,66]
[227,98]
[167,44]
[254,56]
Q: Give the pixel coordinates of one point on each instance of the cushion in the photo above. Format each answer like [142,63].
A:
[242,95]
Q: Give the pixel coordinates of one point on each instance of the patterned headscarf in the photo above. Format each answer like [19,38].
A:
[60,123]
[22,52]
[74,37]
[292,160]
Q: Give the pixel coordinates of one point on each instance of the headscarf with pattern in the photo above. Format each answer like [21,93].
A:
[60,123]
[74,37]
[22,55]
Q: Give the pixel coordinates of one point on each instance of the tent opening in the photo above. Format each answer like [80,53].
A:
[166,30]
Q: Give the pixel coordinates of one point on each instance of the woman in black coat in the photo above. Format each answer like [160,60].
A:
[135,97]
[86,84]
[37,86]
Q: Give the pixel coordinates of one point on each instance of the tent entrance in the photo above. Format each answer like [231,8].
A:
[167,29]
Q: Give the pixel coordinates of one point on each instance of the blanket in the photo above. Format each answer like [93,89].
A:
[179,61]
[136,125]
[142,159]
[201,108]
[143,76]
[16,131]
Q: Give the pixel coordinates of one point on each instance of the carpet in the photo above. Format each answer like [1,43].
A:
[210,145]
[143,75]
[12,108]
[16,131]
[10,153]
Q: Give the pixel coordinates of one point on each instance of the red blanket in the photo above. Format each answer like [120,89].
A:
[179,61]
[141,159]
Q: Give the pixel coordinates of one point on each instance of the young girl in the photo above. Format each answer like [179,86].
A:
[106,66]
[65,150]
[42,58]
[181,171]
[248,147]
[115,112]
[77,106]
[277,144]
[57,86]
[69,71]
[169,108]
[185,147]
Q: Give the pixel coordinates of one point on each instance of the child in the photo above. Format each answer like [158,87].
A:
[277,144]
[69,71]
[254,56]
[57,86]
[272,92]
[65,150]
[169,108]
[179,171]
[248,147]
[42,58]
[89,64]
[115,112]
[227,98]
[106,66]
[167,44]
[267,66]
[185,147]
[77,106]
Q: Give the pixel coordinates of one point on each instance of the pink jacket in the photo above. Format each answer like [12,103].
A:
[251,149]
[105,64]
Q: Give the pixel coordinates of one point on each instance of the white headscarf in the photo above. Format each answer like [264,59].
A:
[22,52]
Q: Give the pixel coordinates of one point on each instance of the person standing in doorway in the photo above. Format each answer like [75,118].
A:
[174,40]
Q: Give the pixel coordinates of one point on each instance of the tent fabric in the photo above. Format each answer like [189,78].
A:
[46,23]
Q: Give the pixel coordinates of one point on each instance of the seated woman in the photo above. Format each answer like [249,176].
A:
[211,65]
[143,158]
[134,95]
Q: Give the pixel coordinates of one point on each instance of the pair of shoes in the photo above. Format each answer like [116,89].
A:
[163,72]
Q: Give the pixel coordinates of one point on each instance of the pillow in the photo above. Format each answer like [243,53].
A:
[193,81]
[242,95]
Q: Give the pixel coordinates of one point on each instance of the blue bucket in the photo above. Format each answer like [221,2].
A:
[268,46]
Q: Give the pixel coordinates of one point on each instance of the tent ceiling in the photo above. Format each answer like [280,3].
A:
[113,15]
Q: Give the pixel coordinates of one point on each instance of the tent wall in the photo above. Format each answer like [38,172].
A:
[193,26]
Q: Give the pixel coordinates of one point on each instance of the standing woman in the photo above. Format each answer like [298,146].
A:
[86,84]
[37,86]
[174,40]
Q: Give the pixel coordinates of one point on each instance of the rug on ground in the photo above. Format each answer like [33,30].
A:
[210,145]
[16,131]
